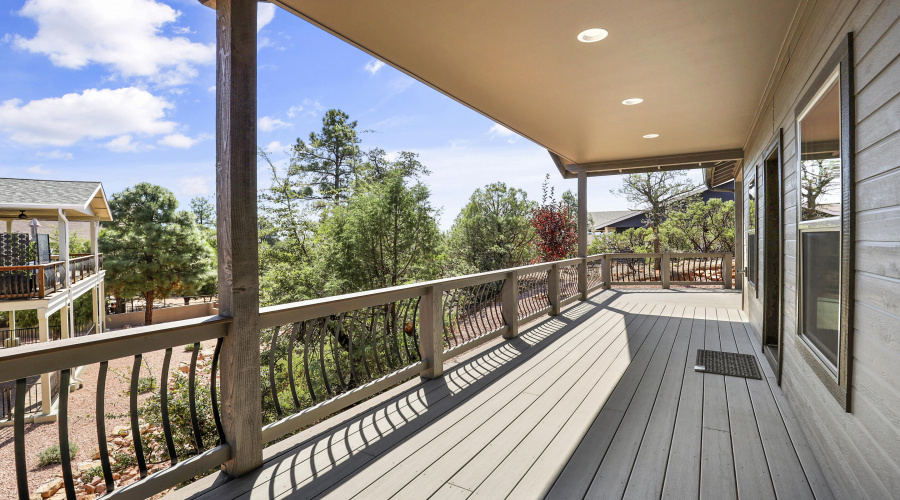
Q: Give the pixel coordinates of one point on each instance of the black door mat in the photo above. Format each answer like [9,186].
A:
[727,363]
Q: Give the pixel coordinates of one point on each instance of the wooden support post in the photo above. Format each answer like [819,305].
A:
[553,289]
[95,246]
[431,329]
[582,234]
[12,322]
[44,336]
[237,231]
[95,308]
[510,304]
[665,273]
[606,272]
[726,271]
[9,226]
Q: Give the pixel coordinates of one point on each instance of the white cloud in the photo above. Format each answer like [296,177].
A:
[56,154]
[374,65]
[502,132]
[124,144]
[194,186]
[179,141]
[294,111]
[38,170]
[268,124]
[121,34]
[276,147]
[93,114]
[211,89]
[313,107]
[265,12]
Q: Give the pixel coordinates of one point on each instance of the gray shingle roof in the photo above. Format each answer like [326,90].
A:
[604,219]
[45,192]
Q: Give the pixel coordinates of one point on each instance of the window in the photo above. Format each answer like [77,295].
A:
[752,242]
[824,212]
[819,129]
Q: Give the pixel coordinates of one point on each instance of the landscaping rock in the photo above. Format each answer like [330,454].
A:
[50,488]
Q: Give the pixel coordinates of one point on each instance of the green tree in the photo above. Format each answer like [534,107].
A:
[204,211]
[327,163]
[632,240]
[817,181]
[493,231]
[700,227]
[658,193]
[152,249]
[385,235]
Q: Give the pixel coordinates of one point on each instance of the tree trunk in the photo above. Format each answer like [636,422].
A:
[148,310]
[120,305]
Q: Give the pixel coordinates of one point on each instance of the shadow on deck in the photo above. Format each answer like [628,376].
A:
[601,401]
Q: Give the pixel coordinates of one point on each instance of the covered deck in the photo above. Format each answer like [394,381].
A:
[600,401]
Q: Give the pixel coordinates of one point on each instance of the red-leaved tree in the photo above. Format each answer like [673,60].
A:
[556,227]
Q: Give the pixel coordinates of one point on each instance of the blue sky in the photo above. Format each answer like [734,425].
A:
[122,91]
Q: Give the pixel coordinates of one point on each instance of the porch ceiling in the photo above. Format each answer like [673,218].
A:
[701,66]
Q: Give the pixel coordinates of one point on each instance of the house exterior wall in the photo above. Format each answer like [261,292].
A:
[859,450]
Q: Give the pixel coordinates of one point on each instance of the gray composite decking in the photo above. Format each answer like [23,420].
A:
[599,402]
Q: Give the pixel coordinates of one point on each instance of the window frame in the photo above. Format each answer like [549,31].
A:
[837,379]
[752,263]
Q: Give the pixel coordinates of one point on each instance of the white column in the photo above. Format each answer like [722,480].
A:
[12,320]
[95,247]
[64,324]
[44,336]
[95,309]
[9,226]
[101,327]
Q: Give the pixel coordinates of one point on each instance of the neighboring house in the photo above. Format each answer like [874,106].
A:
[620,220]
[32,278]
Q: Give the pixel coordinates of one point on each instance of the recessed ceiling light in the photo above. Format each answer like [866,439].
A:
[651,136]
[592,35]
[632,101]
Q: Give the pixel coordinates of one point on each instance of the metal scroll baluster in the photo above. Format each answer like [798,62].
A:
[336,352]
[293,339]
[63,425]
[322,332]
[353,382]
[217,417]
[392,310]
[272,352]
[415,329]
[135,425]
[483,312]
[309,385]
[386,332]
[447,321]
[192,400]
[458,308]
[405,334]
[19,438]
[364,354]
[164,407]
[371,329]
[101,426]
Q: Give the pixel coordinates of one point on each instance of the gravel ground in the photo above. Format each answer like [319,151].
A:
[82,419]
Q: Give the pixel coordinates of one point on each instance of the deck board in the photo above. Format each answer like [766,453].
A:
[601,402]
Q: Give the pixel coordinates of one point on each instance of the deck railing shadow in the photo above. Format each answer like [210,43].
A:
[305,465]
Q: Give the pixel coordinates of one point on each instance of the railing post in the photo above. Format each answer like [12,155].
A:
[431,329]
[553,289]
[582,233]
[237,231]
[606,272]
[664,271]
[726,271]
[510,304]
[44,336]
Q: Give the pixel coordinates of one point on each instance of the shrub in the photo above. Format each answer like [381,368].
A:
[122,461]
[89,474]
[180,415]
[51,455]
[146,384]
[189,348]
